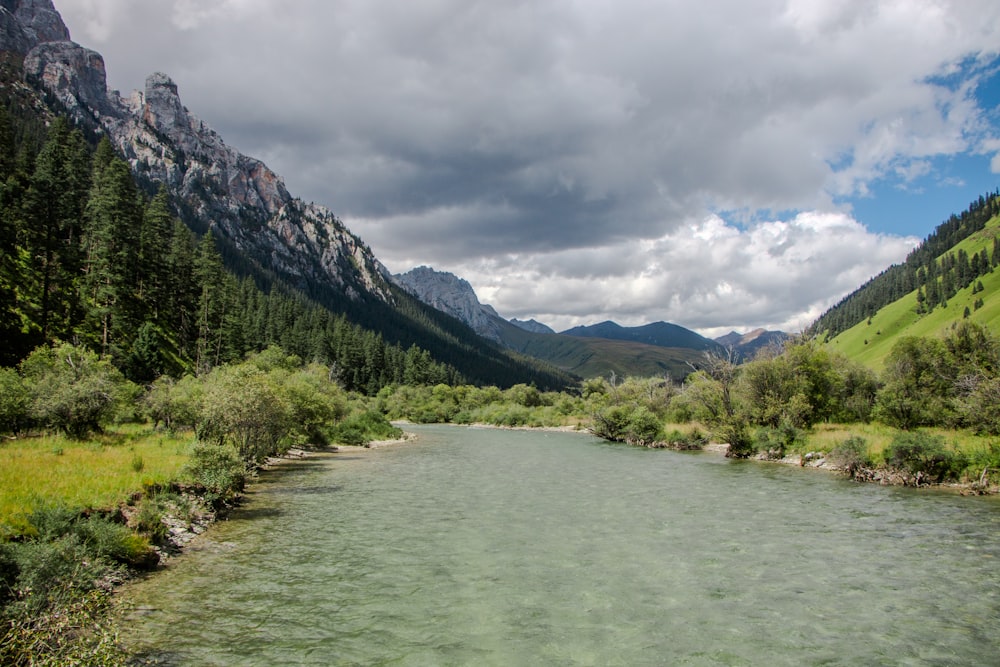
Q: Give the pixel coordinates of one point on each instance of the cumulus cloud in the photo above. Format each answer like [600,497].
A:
[574,143]
[706,273]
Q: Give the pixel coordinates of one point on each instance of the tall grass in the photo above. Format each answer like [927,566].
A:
[978,450]
[96,474]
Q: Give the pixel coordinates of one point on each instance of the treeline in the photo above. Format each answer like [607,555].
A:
[937,276]
[767,407]
[87,259]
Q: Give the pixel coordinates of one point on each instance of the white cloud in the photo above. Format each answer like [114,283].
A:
[707,275]
[576,141]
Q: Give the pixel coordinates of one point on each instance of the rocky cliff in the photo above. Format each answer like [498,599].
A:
[214,186]
[453,295]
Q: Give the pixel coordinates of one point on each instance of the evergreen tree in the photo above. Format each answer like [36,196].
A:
[53,213]
[155,241]
[114,221]
[208,278]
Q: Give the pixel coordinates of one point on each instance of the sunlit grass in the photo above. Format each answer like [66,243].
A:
[100,473]
[824,437]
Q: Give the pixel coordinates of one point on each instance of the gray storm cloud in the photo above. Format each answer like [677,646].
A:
[572,159]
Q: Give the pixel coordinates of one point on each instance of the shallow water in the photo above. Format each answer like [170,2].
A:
[488,547]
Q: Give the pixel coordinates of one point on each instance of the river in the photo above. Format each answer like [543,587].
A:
[491,547]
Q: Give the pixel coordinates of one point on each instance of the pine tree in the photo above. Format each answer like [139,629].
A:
[155,241]
[53,212]
[112,238]
[208,278]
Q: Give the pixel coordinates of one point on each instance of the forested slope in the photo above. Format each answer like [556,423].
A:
[89,257]
[934,271]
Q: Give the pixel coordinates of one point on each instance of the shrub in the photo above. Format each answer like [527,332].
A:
[361,428]
[72,389]
[923,454]
[643,427]
[241,407]
[14,401]
[734,432]
[147,520]
[611,423]
[116,542]
[218,469]
[851,455]
[694,440]
[9,571]
[775,442]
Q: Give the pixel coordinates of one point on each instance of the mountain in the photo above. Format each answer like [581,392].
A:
[453,295]
[532,325]
[660,334]
[582,355]
[262,231]
[927,265]
[747,345]
[947,290]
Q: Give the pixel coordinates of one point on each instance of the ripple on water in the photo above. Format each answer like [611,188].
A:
[498,547]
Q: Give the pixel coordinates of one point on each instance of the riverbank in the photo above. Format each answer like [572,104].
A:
[882,475]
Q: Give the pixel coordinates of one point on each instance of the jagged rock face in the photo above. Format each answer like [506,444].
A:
[26,23]
[533,326]
[213,185]
[453,295]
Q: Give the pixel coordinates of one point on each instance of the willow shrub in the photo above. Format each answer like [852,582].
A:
[924,454]
[218,469]
[361,428]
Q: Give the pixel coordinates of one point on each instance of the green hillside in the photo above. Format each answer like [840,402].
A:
[599,357]
[870,341]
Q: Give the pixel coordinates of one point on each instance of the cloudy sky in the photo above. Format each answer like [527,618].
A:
[726,164]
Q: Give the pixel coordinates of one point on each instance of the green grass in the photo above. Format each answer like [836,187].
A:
[870,342]
[101,473]
[978,450]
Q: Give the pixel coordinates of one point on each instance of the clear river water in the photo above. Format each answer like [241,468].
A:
[491,547]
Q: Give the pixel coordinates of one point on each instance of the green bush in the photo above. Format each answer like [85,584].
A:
[643,427]
[218,469]
[242,407]
[362,427]
[776,441]
[851,455]
[924,455]
[14,401]
[116,542]
[72,389]
[735,433]
[51,572]
[147,520]
[9,571]
[694,440]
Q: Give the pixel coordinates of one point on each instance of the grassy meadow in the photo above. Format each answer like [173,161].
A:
[99,473]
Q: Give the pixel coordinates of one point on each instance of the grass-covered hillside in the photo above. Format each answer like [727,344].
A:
[870,340]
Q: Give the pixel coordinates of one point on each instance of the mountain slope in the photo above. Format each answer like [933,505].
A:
[263,232]
[584,356]
[871,340]
[899,280]
[661,334]
[747,345]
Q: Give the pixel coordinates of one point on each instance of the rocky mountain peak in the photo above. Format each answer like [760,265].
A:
[213,186]
[453,295]
[26,23]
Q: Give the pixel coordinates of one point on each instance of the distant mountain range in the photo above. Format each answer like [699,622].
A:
[660,348]
[261,230]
